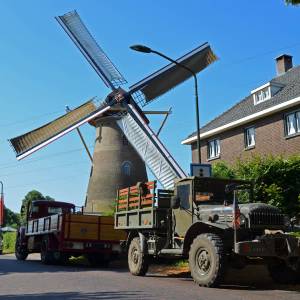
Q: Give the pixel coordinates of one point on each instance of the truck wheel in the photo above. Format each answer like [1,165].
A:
[281,273]
[207,260]
[21,253]
[96,260]
[47,257]
[137,259]
[60,258]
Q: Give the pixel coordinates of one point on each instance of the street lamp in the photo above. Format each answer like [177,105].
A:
[145,49]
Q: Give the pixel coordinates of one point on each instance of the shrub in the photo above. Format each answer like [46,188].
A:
[276,180]
[9,240]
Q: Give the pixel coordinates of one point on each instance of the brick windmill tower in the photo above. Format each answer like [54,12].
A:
[124,142]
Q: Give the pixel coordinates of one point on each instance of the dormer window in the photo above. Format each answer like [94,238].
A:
[265,92]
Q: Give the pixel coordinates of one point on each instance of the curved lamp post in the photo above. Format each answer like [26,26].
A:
[145,49]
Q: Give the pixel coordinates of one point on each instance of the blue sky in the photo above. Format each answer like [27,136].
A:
[41,71]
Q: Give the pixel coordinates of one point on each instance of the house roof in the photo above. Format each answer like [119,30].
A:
[246,107]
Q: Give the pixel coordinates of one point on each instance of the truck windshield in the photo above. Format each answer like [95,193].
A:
[243,194]
[52,210]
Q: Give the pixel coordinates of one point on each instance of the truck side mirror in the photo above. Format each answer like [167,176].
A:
[175,202]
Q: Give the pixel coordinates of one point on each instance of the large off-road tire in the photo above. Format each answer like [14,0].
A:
[21,252]
[137,259]
[207,260]
[47,256]
[98,260]
[281,273]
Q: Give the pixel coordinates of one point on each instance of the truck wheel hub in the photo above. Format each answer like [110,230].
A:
[135,256]
[203,261]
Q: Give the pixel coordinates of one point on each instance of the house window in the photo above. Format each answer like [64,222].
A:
[292,123]
[249,137]
[266,92]
[213,149]
[262,95]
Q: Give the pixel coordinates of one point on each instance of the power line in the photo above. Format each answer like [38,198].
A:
[252,57]
[33,118]
[48,180]
[18,164]
[45,168]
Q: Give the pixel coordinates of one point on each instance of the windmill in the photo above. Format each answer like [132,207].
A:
[124,141]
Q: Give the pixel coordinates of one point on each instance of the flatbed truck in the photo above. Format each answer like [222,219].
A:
[57,232]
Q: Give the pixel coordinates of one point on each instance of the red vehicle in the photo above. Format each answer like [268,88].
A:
[56,231]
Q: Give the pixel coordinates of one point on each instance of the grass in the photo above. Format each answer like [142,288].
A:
[296,234]
[80,260]
[9,240]
[182,263]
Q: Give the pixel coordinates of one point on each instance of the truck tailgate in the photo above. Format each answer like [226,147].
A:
[91,228]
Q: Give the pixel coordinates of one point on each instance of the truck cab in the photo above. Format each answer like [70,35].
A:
[43,208]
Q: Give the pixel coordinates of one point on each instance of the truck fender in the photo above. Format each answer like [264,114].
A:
[21,234]
[142,242]
[199,228]
[134,234]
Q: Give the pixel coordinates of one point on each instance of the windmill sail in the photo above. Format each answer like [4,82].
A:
[78,32]
[171,75]
[32,141]
[150,148]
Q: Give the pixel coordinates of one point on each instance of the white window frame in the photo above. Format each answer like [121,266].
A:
[295,115]
[266,92]
[216,149]
[247,137]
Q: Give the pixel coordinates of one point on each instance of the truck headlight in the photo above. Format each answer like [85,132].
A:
[243,220]
[286,221]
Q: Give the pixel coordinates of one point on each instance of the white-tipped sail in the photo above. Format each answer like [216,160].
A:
[150,148]
[36,139]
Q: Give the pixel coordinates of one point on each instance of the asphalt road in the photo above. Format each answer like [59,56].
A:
[32,280]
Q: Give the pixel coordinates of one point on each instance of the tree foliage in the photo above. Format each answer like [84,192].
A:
[276,180]
[11,218]
[31,196]
[292,2]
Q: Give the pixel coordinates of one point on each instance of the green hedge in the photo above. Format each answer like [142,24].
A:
[276,180]
[9,240]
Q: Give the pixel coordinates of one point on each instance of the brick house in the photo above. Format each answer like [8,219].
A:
[265,122]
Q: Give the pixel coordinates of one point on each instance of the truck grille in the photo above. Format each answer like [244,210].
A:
[266,218]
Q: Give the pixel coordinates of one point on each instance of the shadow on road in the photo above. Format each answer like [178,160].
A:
[81,296]
[252,278]
[9,264]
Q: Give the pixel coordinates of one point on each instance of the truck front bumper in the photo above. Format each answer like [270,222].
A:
[271,245]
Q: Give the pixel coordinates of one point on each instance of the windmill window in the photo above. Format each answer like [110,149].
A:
[126,168]
[249,137]
[213,149]
[292,123]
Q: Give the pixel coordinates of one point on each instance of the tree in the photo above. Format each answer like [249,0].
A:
[31,196]
[11,218]
[292,2]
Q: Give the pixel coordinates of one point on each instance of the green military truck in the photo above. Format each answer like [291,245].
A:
[201,221]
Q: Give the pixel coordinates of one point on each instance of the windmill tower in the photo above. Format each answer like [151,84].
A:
[115,164]
[124,141]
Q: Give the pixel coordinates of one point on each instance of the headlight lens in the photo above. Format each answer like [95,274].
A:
[243,220]
[287,221]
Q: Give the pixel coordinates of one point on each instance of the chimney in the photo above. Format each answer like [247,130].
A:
[284,62]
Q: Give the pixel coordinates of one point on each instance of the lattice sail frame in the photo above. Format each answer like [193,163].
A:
[82,38]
